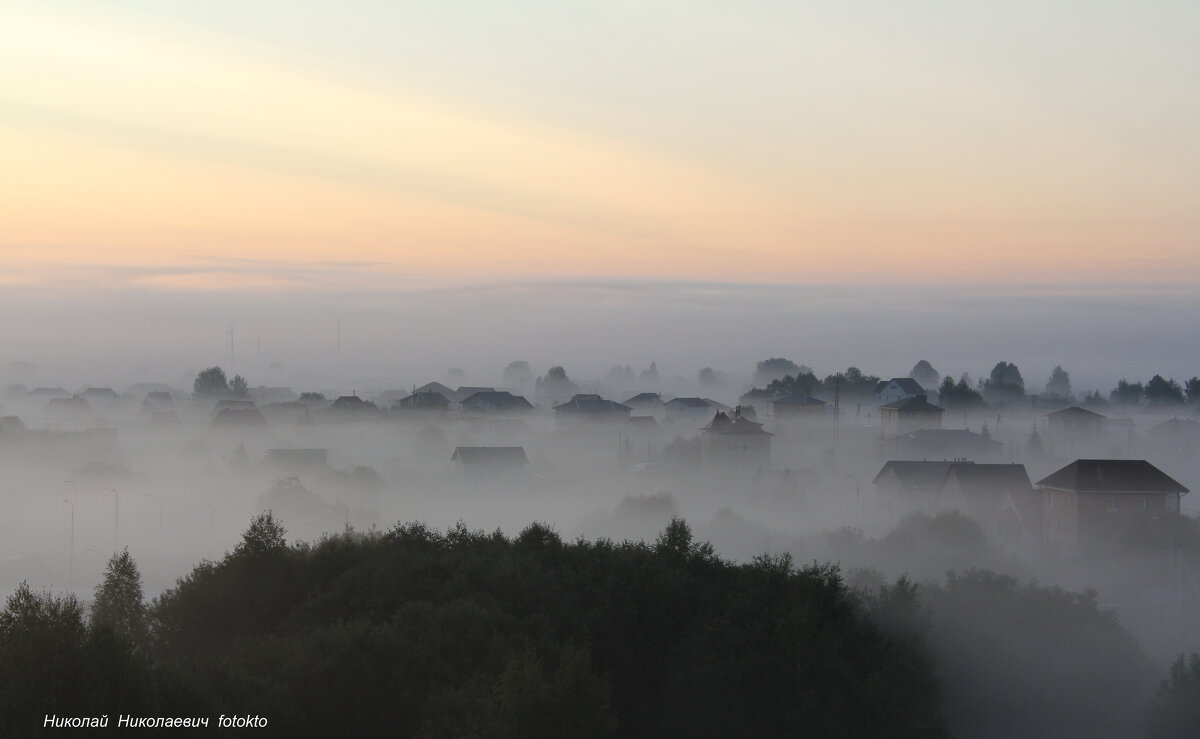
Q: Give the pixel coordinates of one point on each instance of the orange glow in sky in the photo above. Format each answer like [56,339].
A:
[735,148]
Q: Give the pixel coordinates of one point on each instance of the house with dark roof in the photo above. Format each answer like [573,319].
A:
[588,409]
[897,388]
[422,402]
[798,406]
[73,407]
[999,496]
[732,441]
[489,460]
[910,485]
[100,395]
[466,391]
[691,410]
[250,417]
[435,387]
[1099,501]
[1074,420]
[495,403]
[910,414]
[645,404]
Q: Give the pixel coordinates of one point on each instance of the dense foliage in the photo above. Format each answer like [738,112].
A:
[421,633]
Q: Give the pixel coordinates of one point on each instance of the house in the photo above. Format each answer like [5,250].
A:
[588,409]
[422,402]
[1099,501]
[466,391]
[240,417]
[490,460]
[944,444]
[910,414]
[232,404]
[74,407]
[435,387]
[1074,420]
[351,408]
[691,410]
[798,406]
[1178,430]
[100,395]
[645,404]
[896,389]
[495,403]
[911,485]
[734,442]
[999,496]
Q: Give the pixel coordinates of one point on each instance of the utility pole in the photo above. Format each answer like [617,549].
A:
[71,502]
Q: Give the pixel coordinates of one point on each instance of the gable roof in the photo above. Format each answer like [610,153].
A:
[739,425]
[688,403]
[907,384]
[1112,476]
[917,475]
[490,455]
[499,399]
[798,400]
[1076,412]
[1183,427]
[423,400]
[990,478]
[915,404]
[591,403]
[645,399]
[434,387]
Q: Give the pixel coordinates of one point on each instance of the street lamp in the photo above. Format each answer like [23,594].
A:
[857,496]
[212,515]
[71,502]
[71,577]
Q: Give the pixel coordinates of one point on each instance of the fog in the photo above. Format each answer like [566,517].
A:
[175,476]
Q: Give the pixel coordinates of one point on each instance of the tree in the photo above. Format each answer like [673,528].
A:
[960,394]
[1160,391]
[1192,388]
[517,374]
[776,368]
[650,374]
[1033,447]
[263,536]
[210,383]
[708,377]
[1059,384]
[118,603]
[1127,393]
[1175,711]
[238,387]
[1005,382]
[311,397]
[925,375]
[556,386]
[802,384]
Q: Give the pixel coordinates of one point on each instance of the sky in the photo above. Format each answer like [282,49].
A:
[157,152]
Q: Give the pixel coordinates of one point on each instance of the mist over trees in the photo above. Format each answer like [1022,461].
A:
[210,383]
[925,374]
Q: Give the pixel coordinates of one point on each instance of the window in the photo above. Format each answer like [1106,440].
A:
[1172,504]
[1112,503]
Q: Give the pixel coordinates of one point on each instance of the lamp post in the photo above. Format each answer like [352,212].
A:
[212,515]
[857,497]
[71,502]
[71,576]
